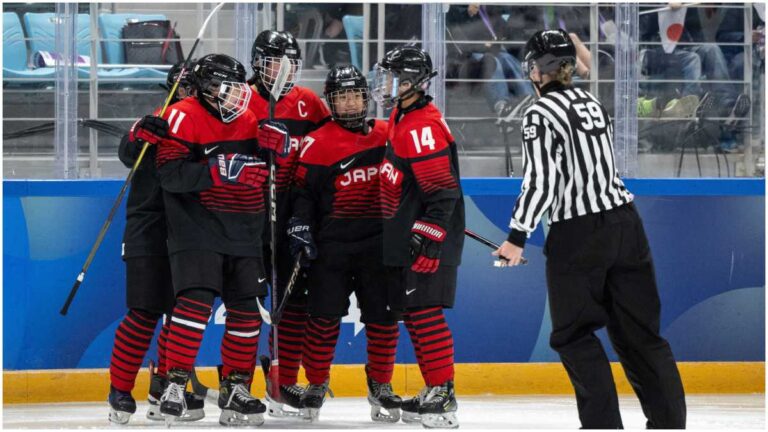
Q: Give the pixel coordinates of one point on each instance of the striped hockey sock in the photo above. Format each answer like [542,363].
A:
[188,323]
[132,339]
[322,334]
[415,342]
[240,342]
[292,329]
[162,341]
[382,347]
[436,344]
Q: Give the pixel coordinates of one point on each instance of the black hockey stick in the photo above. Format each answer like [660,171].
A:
[474,236]
[124,188]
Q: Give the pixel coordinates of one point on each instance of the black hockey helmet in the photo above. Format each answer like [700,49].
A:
[346,87]
[186,81]
[269,47]
[404,64]
[549,49]
[220,83]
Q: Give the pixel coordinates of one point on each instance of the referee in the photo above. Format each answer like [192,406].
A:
[599,265]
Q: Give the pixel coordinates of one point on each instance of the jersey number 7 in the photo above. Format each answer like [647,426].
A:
[426,139]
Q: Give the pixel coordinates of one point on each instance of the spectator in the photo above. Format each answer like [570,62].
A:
[485,26]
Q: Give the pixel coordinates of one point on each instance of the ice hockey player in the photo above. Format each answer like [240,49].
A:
[213,174]
[337,222]
[423,208]
[298,111]
[149,290]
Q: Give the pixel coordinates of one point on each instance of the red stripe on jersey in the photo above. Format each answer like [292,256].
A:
[433,174]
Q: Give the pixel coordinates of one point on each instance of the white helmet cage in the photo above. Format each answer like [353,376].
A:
[232,98]
[269,68]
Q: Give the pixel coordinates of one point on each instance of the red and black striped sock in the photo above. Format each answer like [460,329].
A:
[322,334]
[292,330]
[241,341]
[382,347]
[132,339]
[436,343]
[416,346]
[162,341]
[188,322]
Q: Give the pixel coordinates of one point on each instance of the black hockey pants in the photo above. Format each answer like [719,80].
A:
[600,273]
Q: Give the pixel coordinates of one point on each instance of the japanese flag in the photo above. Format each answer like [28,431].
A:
[671,27]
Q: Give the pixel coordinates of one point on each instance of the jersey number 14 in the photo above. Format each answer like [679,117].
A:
[426,139]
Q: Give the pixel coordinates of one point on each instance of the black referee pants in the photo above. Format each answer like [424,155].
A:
[600,273]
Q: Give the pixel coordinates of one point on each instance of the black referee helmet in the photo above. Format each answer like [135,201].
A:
[549,49]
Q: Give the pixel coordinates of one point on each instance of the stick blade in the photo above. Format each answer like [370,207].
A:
[282,78]
[265,316]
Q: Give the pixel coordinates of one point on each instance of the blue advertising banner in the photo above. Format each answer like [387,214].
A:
[707,238]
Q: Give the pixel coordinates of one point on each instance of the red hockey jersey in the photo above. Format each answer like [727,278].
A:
[337,184]
[420,181]
[227,219]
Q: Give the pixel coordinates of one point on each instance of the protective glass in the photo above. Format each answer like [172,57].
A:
[269,69]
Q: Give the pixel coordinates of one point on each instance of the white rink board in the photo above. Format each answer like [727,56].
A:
[732,412]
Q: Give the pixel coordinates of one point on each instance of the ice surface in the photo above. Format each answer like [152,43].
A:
[731,412]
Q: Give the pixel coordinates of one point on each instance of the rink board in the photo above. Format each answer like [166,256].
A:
[707,238]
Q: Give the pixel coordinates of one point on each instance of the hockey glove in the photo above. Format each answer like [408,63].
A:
[426,243]
[151,129]
[300,239]
[274,136]
[236,168]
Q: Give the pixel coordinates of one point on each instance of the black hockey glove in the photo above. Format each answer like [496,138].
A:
[150,128]
[300,239]
[426,244]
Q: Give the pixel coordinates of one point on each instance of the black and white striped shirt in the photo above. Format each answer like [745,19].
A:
[568,163]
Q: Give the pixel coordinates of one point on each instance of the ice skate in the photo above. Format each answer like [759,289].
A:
[121,406]
[312,400]
[238,406]
[173,405]
[410,407]
[438,410]
[157,385]
[285,401]
[385,404]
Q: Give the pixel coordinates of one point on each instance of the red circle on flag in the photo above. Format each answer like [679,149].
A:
[674,32]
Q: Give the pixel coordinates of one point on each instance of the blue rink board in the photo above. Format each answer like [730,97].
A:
[707,238]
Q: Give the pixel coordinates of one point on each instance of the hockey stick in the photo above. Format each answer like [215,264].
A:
[274,95]
[474,236]
[128,179]
[274,317]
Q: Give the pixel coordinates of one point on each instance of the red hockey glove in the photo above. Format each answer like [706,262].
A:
[274,136]
[151,129]
[426,243]
[236,168]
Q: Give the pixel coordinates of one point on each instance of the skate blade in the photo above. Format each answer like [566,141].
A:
[233,418]
[310,415]
[170,420]
[383,415]
[154,414]
[410,417]
[447,420]
[277,409]
[118,417]
[193,415]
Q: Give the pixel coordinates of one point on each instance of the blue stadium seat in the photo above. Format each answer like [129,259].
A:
[41,28]
[15,56]
[111,26]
